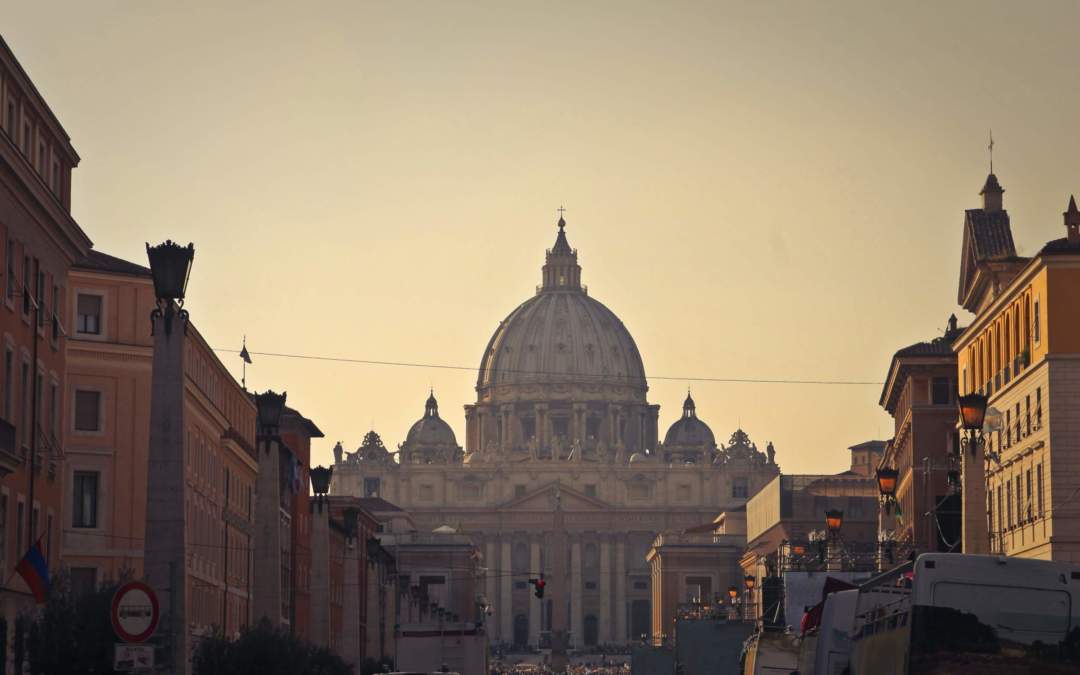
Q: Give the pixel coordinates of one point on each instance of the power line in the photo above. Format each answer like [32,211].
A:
[513,371]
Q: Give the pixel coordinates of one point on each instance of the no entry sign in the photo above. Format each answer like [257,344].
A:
[134,612]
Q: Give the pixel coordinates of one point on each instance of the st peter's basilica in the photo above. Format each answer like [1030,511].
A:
[561,410]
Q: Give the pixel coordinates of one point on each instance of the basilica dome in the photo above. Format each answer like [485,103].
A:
[688,430]
[562,335]
[430,430]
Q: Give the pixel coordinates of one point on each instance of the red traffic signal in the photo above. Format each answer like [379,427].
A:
[538,585]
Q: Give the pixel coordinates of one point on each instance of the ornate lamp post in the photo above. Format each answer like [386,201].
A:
[972,409]
[170,266]
[270,407]
[320,483]
[834,520]
[166,545]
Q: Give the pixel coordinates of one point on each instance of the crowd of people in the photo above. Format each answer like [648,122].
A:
[585,668]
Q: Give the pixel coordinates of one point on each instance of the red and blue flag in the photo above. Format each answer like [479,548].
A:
[35,571]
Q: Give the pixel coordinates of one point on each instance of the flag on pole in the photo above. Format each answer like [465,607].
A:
[35,571]
[244,352]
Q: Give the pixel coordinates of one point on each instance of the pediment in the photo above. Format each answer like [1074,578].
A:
[543,499]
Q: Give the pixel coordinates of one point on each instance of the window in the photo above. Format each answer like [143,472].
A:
[1036,329]
[26,285]
[471,491]
[1001,506]
[10,269]
[427,493]
[85,499]
[519,490]
[56,177]
[1009,501]
[641,585]
[3,526]
[9,384]
[1027,414]
[590,490]
[25,390]
[20,517]
[54,419]
[1019,501]
[89,320]
[87,410]
[1008,428]
[740,488]
[639,491]
[1038,406]
[371,487]
[683,492]
[990,510]
[1027,487]
[590,585]
[10,125]
[940,391]
[1039,489]
[41,158]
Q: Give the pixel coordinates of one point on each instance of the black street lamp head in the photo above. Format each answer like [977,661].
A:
[972,411]
[886,480]
[834,519]
[732,592]
[270,407]
[170,265]
[749,581]
[320,479]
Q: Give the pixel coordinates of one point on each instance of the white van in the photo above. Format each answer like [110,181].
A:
[960,614]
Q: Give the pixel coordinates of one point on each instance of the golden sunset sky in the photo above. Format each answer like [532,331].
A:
[759,190]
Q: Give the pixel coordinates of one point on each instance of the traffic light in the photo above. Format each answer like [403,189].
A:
[538,585]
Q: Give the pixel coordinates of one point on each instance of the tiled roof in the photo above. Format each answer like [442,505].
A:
[1059,246]
[103,262]
[991,237]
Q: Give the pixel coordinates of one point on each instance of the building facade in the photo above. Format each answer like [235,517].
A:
[110,352]
[920,395]
[561,408]
[1022,350]
[40,242]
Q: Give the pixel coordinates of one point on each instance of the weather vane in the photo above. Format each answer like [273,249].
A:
[991,149]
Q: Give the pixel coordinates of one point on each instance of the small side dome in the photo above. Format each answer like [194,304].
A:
[430,430]
[688,430]
[638,457]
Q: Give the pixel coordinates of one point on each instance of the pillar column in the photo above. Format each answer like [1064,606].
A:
[506,599]
[620,590]
[976,537]
[534,604]
[576,593]
[541,426]
[605,591]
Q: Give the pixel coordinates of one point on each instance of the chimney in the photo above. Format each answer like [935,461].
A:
[1072,222]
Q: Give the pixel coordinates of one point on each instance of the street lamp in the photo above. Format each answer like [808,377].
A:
[733,593]
[170,267]
[749,580]
[320,479]
[886,481]
[972,416]
[270,406]
[834,519]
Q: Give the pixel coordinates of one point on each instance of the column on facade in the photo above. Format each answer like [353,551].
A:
[580,428]
[576,591]
[481,438]
[492,564]
[605,591]
[541,425]
[620,590]
[534,605]
[506,600]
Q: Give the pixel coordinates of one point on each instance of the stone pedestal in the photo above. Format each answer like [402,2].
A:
[165,561]
[976,537]
[320,573]
[272,528]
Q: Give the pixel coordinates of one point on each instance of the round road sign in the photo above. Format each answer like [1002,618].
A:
[134,612]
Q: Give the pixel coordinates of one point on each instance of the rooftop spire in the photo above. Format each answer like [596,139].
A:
[689,409]
[431,408]
[1072,222]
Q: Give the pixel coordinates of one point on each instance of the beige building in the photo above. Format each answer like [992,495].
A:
[561,410]
[1022,350]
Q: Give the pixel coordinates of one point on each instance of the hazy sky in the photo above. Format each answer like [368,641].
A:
[759,190]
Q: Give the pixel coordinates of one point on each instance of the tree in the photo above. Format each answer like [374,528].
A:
[265,650]
[73,635]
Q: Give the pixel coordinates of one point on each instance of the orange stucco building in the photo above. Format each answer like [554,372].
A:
[1022,350]
[39,240]
[109,364]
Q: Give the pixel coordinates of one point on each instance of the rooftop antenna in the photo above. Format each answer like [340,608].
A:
[246,358]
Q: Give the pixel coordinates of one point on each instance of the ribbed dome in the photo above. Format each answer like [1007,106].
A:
[688,429]
[430,430]
[562,336]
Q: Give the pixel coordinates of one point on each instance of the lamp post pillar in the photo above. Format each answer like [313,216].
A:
[976,536]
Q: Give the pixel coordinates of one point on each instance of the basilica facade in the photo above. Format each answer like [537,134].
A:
[561,417]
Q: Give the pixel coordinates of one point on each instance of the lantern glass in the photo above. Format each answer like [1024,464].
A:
[798,549]
[320,479]
[732,592]
[886,480]
[170,266]
[972,411]
[270,407]
[834,519]
[749,581]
